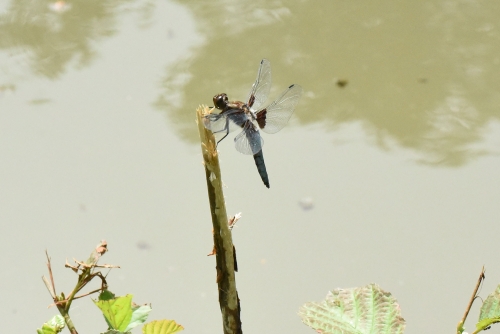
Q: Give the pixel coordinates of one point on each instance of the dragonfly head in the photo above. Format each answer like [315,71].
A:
[220,101]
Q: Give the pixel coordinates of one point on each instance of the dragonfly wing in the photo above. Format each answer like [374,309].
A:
[262,86]
[225,122]
[249,140]
[237,118]
[276,115]
[215,122]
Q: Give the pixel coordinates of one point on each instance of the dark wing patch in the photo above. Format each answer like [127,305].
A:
[261,118]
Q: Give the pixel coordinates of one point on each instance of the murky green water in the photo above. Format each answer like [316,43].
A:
[387,172]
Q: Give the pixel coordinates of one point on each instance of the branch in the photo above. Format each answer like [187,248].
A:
[460,326]
[224,249]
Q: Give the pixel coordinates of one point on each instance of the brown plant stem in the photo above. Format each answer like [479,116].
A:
[60,307]
[460,326]
[223,243]
[86,273]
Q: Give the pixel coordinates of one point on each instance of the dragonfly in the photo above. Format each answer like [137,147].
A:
[250,116]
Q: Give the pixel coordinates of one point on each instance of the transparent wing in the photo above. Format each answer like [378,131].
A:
[276,115]
[262,86]
[215,122]
[249,140]
[237,118]
[229,121]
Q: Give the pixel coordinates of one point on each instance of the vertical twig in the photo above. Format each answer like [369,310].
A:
[67,319]
[52,283]
[61,307]
[460,326]
[223,243]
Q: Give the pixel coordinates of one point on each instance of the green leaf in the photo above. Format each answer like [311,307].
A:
[490,310]
[113,331]
[117,311]
[46,329]
[162,327]
[365,310]
[53,326]
[106,295]
[139,316]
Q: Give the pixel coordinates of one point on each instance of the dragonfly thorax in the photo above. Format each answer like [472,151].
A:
[253,115]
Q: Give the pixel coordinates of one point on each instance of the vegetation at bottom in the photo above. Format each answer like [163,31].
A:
[121,315]
[370,309]
[362,310]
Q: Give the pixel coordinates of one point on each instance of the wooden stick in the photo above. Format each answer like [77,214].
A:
[228,296]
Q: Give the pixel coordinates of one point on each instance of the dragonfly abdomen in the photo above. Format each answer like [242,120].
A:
[261,167]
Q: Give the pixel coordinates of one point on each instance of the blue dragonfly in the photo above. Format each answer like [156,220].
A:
[250,116]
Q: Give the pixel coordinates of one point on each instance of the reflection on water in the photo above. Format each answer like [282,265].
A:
[52,34]
[452,126]
[7,89]
[421,74]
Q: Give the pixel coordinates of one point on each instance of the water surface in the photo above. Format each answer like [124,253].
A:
[387,172]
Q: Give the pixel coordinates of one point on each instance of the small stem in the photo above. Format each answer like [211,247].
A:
[460,326]
[87,294]
[63,304]
[79,285]
[49,266]
[61,308]
[223,243]
[67,319]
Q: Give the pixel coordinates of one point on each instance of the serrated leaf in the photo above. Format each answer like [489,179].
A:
[162,327]
[139,316]
[365,310]
[117,311]
[53,326]
[490,310]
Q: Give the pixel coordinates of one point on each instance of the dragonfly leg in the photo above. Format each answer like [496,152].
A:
[226,129]
[227,132]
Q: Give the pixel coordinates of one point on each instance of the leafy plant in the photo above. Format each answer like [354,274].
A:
[53,326]
[371,310]
[120,313]
[368,309]
[490,311]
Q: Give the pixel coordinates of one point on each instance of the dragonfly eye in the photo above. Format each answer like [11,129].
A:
[220,101]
